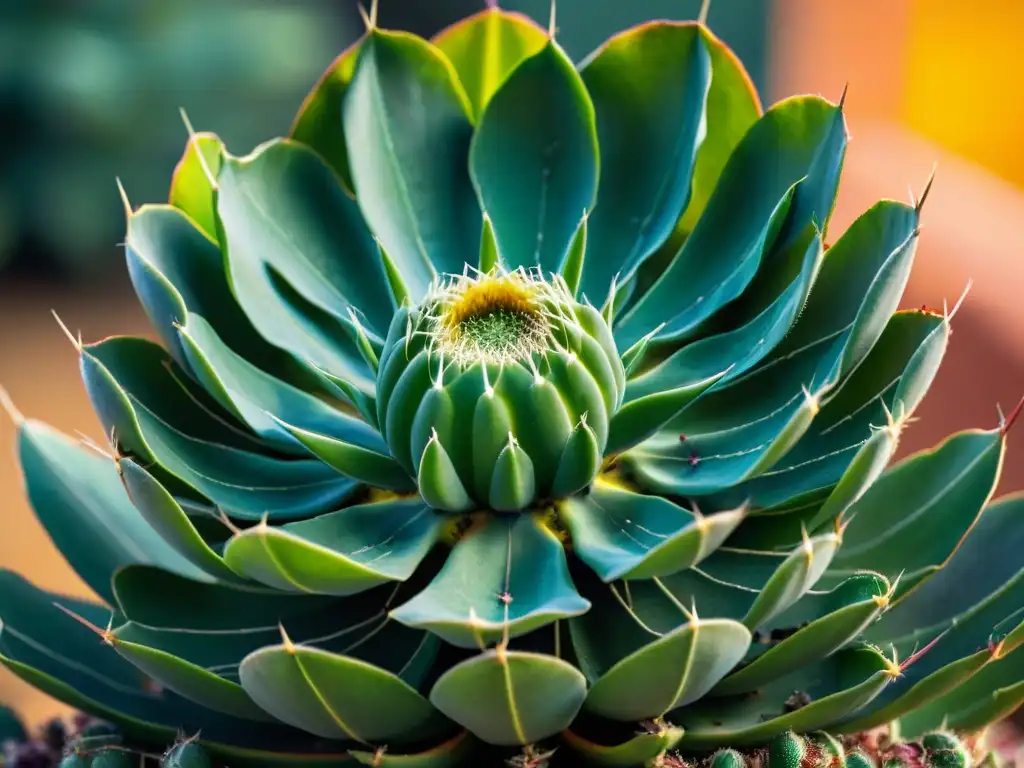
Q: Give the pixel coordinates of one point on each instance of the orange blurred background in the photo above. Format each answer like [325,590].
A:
[930,82]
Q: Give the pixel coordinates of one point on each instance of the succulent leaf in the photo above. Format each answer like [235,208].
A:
[742,721]
[295,284]
[649,88]
[510,697]
[85,510]
[333,695]
[486,48]
[973,605]
[639,750]
[191,190]
[870,399]
[446,755]
[267,405]
[165,514]
[148,404]
[940,493]
[339,553]
[176,271]
[534,160]
[749,193]
[791,579]
[316,123]
[506,577]
[35,637]
[405,96]
[674,670]
[625,535]
[816,640]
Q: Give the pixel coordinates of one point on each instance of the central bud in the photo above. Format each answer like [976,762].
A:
[496,391]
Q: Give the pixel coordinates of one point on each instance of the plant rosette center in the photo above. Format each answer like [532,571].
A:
[496,391]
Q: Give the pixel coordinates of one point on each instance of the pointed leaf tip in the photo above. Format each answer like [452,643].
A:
[1008,422]
[705,8]
[194,141]
[75,342]
[128,212]
[950,314]
[927,188]
[12,410]
[369,18]
[438,480]
[106,635]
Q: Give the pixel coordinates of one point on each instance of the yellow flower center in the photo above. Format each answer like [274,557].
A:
[500,317]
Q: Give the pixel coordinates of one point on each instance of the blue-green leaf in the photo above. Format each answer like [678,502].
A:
[449,754]
[486,47]
[727,436]
[859,286]
[511,697]
[643,747]
[960,609]
[317,122]
[299,256]
[58,655]
[936,497]
[736,352]
[175,270]
[534,160]
[837,686]
[646,412]
[338,553]
[797,145]
[405,120]
[373,466]
[336,696]
[791,579]
[649,86]
[881,394]
[853,608]
[983,564]
[167,517]
[756,587]
[79,499]
[504,578]
[995,692]
[732,108]
[199,639]
[672,670]
[157,413]
[625,535]
[261,400]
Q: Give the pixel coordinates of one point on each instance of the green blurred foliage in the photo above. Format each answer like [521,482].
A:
[89,90]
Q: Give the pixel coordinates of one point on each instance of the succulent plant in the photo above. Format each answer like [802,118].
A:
[517,409]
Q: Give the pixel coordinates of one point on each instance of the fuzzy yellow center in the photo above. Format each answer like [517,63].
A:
[494,318]
[509,294]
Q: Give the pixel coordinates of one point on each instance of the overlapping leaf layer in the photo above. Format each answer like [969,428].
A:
[673,527]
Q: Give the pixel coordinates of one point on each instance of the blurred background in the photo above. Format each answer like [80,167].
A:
[90,90]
